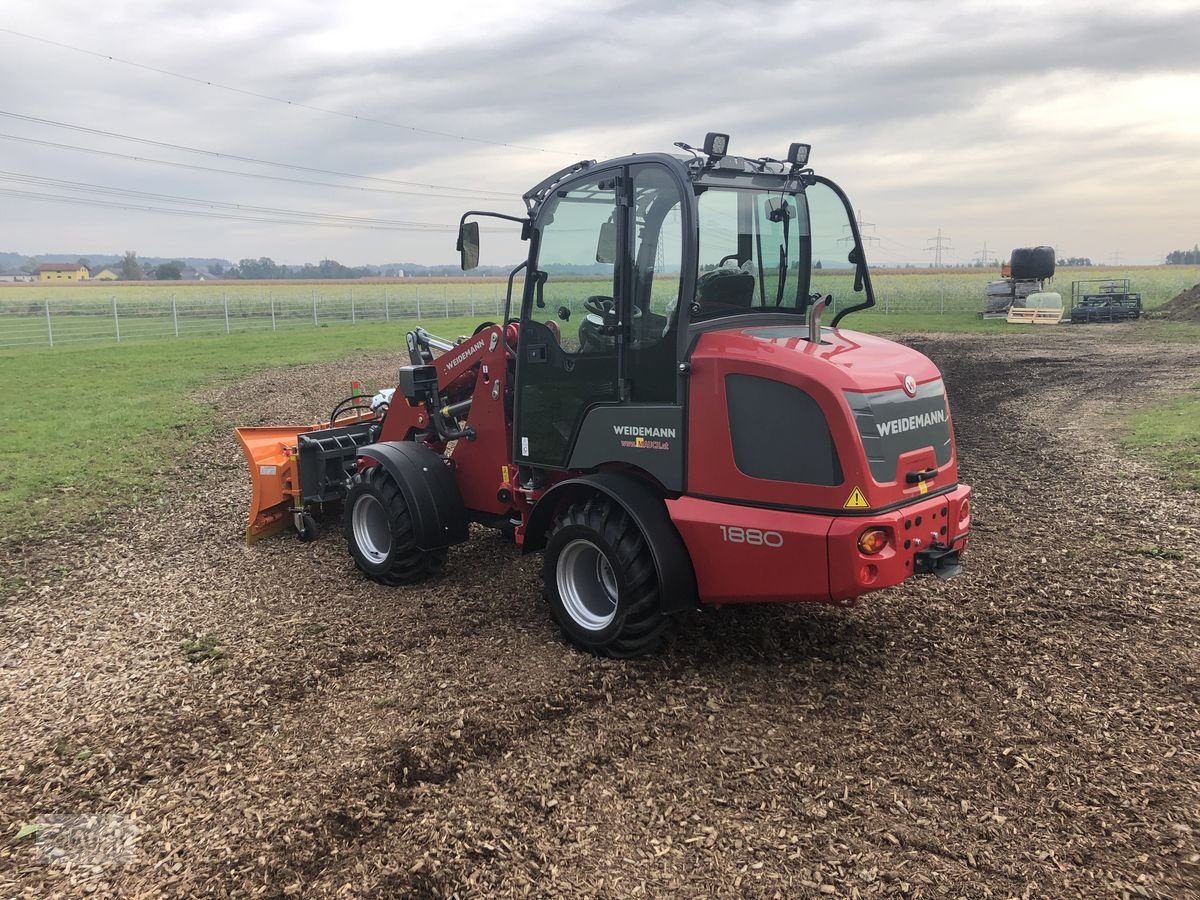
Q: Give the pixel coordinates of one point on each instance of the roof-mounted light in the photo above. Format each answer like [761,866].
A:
[798,154]
[716,145]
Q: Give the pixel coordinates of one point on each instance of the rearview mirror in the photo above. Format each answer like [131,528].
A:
[606,247]
[778,209]
[468,244]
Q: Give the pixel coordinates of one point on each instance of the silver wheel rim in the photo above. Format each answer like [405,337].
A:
[372,528]
[587,585]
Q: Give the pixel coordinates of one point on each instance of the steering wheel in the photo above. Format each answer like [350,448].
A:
[602,312]
[602,307]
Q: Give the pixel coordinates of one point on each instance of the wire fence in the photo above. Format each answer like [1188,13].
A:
[49,318]
[52,321]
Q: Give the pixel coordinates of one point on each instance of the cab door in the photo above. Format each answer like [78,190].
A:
[571,317]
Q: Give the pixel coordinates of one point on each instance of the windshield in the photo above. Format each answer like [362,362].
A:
[773,251]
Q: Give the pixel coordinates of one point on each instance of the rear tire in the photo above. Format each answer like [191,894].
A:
[601,583]
[380,535]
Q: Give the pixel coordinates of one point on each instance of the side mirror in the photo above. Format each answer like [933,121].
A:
[468,244]
[606,247]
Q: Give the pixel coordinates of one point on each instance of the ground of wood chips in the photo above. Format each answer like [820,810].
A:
[184,715]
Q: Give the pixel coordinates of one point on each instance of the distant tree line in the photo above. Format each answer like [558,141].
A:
[1075,261]
[1184,257]
[266,268]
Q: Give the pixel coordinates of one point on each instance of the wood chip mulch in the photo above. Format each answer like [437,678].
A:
[186,716]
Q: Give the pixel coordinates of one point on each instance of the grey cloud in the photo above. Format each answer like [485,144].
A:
[860,81]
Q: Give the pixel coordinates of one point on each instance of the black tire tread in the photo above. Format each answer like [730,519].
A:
[410,565]
[644,626]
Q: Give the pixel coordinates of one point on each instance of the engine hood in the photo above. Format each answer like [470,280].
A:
[851,360]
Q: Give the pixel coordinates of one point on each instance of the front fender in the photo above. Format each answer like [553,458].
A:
[429,489]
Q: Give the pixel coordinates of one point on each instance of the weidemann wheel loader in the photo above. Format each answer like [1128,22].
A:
[679,430]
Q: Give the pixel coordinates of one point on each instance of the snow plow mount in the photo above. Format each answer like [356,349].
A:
[293,467]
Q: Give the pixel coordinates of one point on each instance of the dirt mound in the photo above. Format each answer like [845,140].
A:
[1184,307]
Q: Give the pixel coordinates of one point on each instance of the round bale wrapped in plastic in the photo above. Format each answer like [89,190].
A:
[1032,262]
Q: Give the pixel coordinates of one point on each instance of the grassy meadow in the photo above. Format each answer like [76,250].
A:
[116,413]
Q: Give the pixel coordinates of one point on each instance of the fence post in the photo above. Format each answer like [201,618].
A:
[116,319]
[418,303]
[387,313]
[271,294]
[49,327]
[225,297]
[314,296]
[353,315]
[446,300]
[471,294]
[942,287]
[174,314]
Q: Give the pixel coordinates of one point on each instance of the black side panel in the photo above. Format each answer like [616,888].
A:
[779,432]
[676,577]
[439,517]
[891,423]
[649,437]
[327,459]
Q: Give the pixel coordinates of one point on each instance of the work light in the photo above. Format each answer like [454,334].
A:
[798,154]
[716,145]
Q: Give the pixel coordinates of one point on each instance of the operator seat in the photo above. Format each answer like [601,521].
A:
[724,292]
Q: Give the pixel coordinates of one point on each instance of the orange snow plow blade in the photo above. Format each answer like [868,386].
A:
[280,491]
[274,477]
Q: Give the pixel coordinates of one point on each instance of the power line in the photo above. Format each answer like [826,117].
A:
[86,187]
[940,244]
[197,214]
[248,93]
[196,168]
[984,258]
[250,159]
[866,238]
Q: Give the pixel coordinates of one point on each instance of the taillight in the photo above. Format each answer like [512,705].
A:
[964,510]
[873,541]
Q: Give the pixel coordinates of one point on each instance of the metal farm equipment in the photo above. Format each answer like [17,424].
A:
[696,437]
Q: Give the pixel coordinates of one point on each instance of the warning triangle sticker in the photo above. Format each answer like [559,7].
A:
[856,501]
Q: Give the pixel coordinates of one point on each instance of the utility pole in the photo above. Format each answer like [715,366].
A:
[984,258]
[866,238]
[941,244]
[1116,257]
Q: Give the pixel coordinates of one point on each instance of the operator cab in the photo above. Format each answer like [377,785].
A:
[614,257]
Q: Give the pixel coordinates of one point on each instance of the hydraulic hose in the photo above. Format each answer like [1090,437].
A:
[349,400]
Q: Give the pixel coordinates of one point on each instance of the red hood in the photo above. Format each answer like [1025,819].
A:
[851,360]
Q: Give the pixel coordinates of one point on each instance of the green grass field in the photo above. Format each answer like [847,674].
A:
[1170,433]
[91,423]
[88,426]
[84,311]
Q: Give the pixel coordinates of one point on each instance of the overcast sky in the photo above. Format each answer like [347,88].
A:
[1073,124]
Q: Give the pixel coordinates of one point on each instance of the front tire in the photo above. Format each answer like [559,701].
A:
[600,581]
[380,535]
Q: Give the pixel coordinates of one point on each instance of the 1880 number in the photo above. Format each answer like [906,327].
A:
[735,535]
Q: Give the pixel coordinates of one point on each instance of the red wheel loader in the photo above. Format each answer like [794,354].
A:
[663,415]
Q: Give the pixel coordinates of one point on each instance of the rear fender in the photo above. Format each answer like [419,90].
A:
[439,517]
[676,579]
